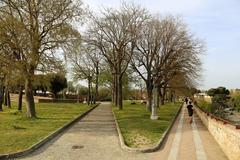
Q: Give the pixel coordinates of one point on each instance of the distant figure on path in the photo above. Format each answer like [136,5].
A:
[186,101]
[190,111]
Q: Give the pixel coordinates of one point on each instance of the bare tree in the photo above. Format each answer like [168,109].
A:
[32,30]
[115,34]
[181,83]
[165,49]
[96,58]
[179,53]
[147,46]
[83,65]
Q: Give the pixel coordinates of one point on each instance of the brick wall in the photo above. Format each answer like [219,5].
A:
[226,134]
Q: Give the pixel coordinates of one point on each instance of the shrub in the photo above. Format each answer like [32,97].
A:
[235,102]
[206,106]
[219,100]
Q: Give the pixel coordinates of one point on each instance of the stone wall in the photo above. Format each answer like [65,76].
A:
[226,134]
[14,98]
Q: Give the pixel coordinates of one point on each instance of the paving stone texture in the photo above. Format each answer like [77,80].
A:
[95,138]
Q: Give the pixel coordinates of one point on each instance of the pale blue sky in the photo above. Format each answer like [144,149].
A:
[217,22]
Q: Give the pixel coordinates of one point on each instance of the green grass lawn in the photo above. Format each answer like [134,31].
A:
[17,132]
[206,106]
[137,128]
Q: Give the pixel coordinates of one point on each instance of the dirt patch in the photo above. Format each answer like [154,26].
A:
[139,140]
[77,147]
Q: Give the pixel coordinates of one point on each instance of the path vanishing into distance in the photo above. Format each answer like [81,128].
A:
[95,138]
[189,141]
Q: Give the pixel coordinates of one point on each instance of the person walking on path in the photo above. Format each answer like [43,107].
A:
[186,100]
[190,111]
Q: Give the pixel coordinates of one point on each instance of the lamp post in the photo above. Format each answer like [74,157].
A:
[1,90]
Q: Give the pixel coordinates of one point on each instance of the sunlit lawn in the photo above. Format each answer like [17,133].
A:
[137,128]
[17,132]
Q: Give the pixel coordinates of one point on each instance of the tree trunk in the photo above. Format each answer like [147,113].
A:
[94,98]
[29,98]
[1,95]
[113,93]
[78,95]
[149,96]
[96,86]
[8,100]
[20,95]
[113,90]
[64,94]
[173,97]
[149,100]
[162,100]
[89,93]
[54,95]
[5,96]
[119,98]
[163,96]
[1,109]
[154,115]
[158,96]
[116,90]
[170,95]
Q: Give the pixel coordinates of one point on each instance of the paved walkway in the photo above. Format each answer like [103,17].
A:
[189,141]
[92,138]
[95,138]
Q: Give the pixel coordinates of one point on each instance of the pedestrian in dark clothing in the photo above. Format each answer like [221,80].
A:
[186,100]
[190,111]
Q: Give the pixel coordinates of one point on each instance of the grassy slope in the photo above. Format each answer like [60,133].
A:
[137,128]
[204,105]
[17,132]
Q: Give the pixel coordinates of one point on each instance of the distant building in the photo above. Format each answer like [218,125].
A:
[203,96]
[235,91]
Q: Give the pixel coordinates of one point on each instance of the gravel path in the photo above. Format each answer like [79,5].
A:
[92,138]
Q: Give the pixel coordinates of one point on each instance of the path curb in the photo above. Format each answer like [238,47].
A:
[144,150]
[46,139]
